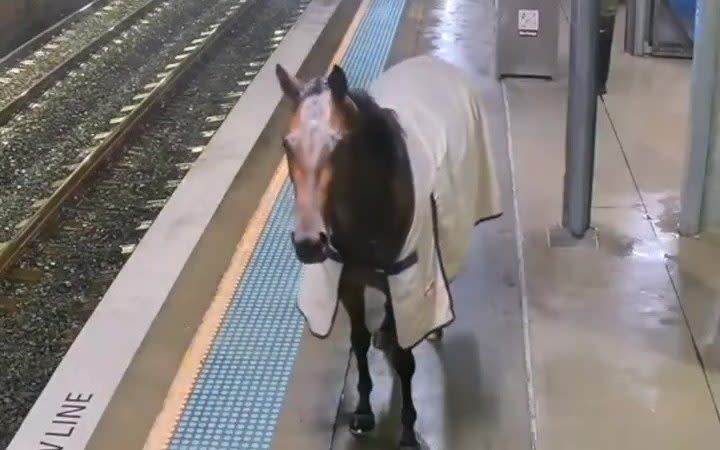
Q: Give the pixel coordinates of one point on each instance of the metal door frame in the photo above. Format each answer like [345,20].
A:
[639,26]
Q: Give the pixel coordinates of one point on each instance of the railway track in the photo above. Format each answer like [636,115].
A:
[53,145]
[149,144]
[108,141]
[13,56]
[30,71]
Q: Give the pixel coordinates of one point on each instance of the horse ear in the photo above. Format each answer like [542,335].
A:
[337,81]
[288,83]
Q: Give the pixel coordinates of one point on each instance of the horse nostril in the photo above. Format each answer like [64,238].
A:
[323,238]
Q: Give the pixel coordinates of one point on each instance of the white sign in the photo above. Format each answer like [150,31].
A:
[528,22]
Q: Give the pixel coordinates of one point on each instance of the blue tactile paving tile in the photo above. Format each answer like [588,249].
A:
[237,398]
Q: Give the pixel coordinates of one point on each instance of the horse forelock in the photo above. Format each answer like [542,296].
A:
[313,87]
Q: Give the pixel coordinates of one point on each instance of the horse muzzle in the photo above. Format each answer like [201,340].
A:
[310,250]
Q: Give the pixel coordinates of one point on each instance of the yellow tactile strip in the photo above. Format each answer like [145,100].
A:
[166,422]
[182,386]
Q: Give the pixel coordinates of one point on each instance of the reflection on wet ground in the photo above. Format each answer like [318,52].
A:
[623,335]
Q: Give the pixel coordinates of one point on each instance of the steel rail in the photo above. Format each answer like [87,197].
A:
[37,41]
[8,110]
[42,217]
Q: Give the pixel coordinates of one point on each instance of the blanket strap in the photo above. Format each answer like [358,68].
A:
[393,269]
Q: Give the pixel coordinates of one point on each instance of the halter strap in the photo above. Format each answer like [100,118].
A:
[393,269]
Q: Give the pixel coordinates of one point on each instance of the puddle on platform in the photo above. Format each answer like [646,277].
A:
[669,215]
[445,33]
[622,246]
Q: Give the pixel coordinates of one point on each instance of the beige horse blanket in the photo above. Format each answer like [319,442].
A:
[453,173]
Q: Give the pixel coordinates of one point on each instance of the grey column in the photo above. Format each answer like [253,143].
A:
[581,117]
[700,201]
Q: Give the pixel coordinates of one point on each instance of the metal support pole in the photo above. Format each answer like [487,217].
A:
[630,23]
[702,113]
[581,117]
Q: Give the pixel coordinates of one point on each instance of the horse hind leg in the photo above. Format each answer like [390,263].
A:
[383,337]
[403,362]
[363,419]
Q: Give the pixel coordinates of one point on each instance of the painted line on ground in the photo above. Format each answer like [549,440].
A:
[182,387]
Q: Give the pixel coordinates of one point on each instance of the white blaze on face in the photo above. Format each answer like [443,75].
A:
[315,130]
[312,139]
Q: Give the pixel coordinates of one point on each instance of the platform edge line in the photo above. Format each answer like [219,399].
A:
[97,362]
[180,390]
[520,255]
[350,34]
[165,425]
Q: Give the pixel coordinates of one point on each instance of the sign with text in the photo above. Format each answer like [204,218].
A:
[66,419]
[528,22]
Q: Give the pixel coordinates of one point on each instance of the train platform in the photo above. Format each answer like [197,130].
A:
[610,342]
[622,326]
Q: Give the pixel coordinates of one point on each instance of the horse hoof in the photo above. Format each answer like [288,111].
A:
[361,424]
[381,340]
[435,336]
[409,441]
[409,445]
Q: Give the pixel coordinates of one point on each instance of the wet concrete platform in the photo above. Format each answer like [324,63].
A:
[611,344]
[623,335]
[470,390]
[613,326]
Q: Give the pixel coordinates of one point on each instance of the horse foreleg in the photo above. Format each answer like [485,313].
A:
[404,364]
[363,420]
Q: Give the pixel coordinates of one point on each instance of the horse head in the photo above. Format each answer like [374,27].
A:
[350,170]
[321,119]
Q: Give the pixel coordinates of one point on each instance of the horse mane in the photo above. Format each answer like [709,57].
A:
[377,128]
[375,174]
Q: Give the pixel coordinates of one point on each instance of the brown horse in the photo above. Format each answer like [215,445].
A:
[359,202]
[353,187]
